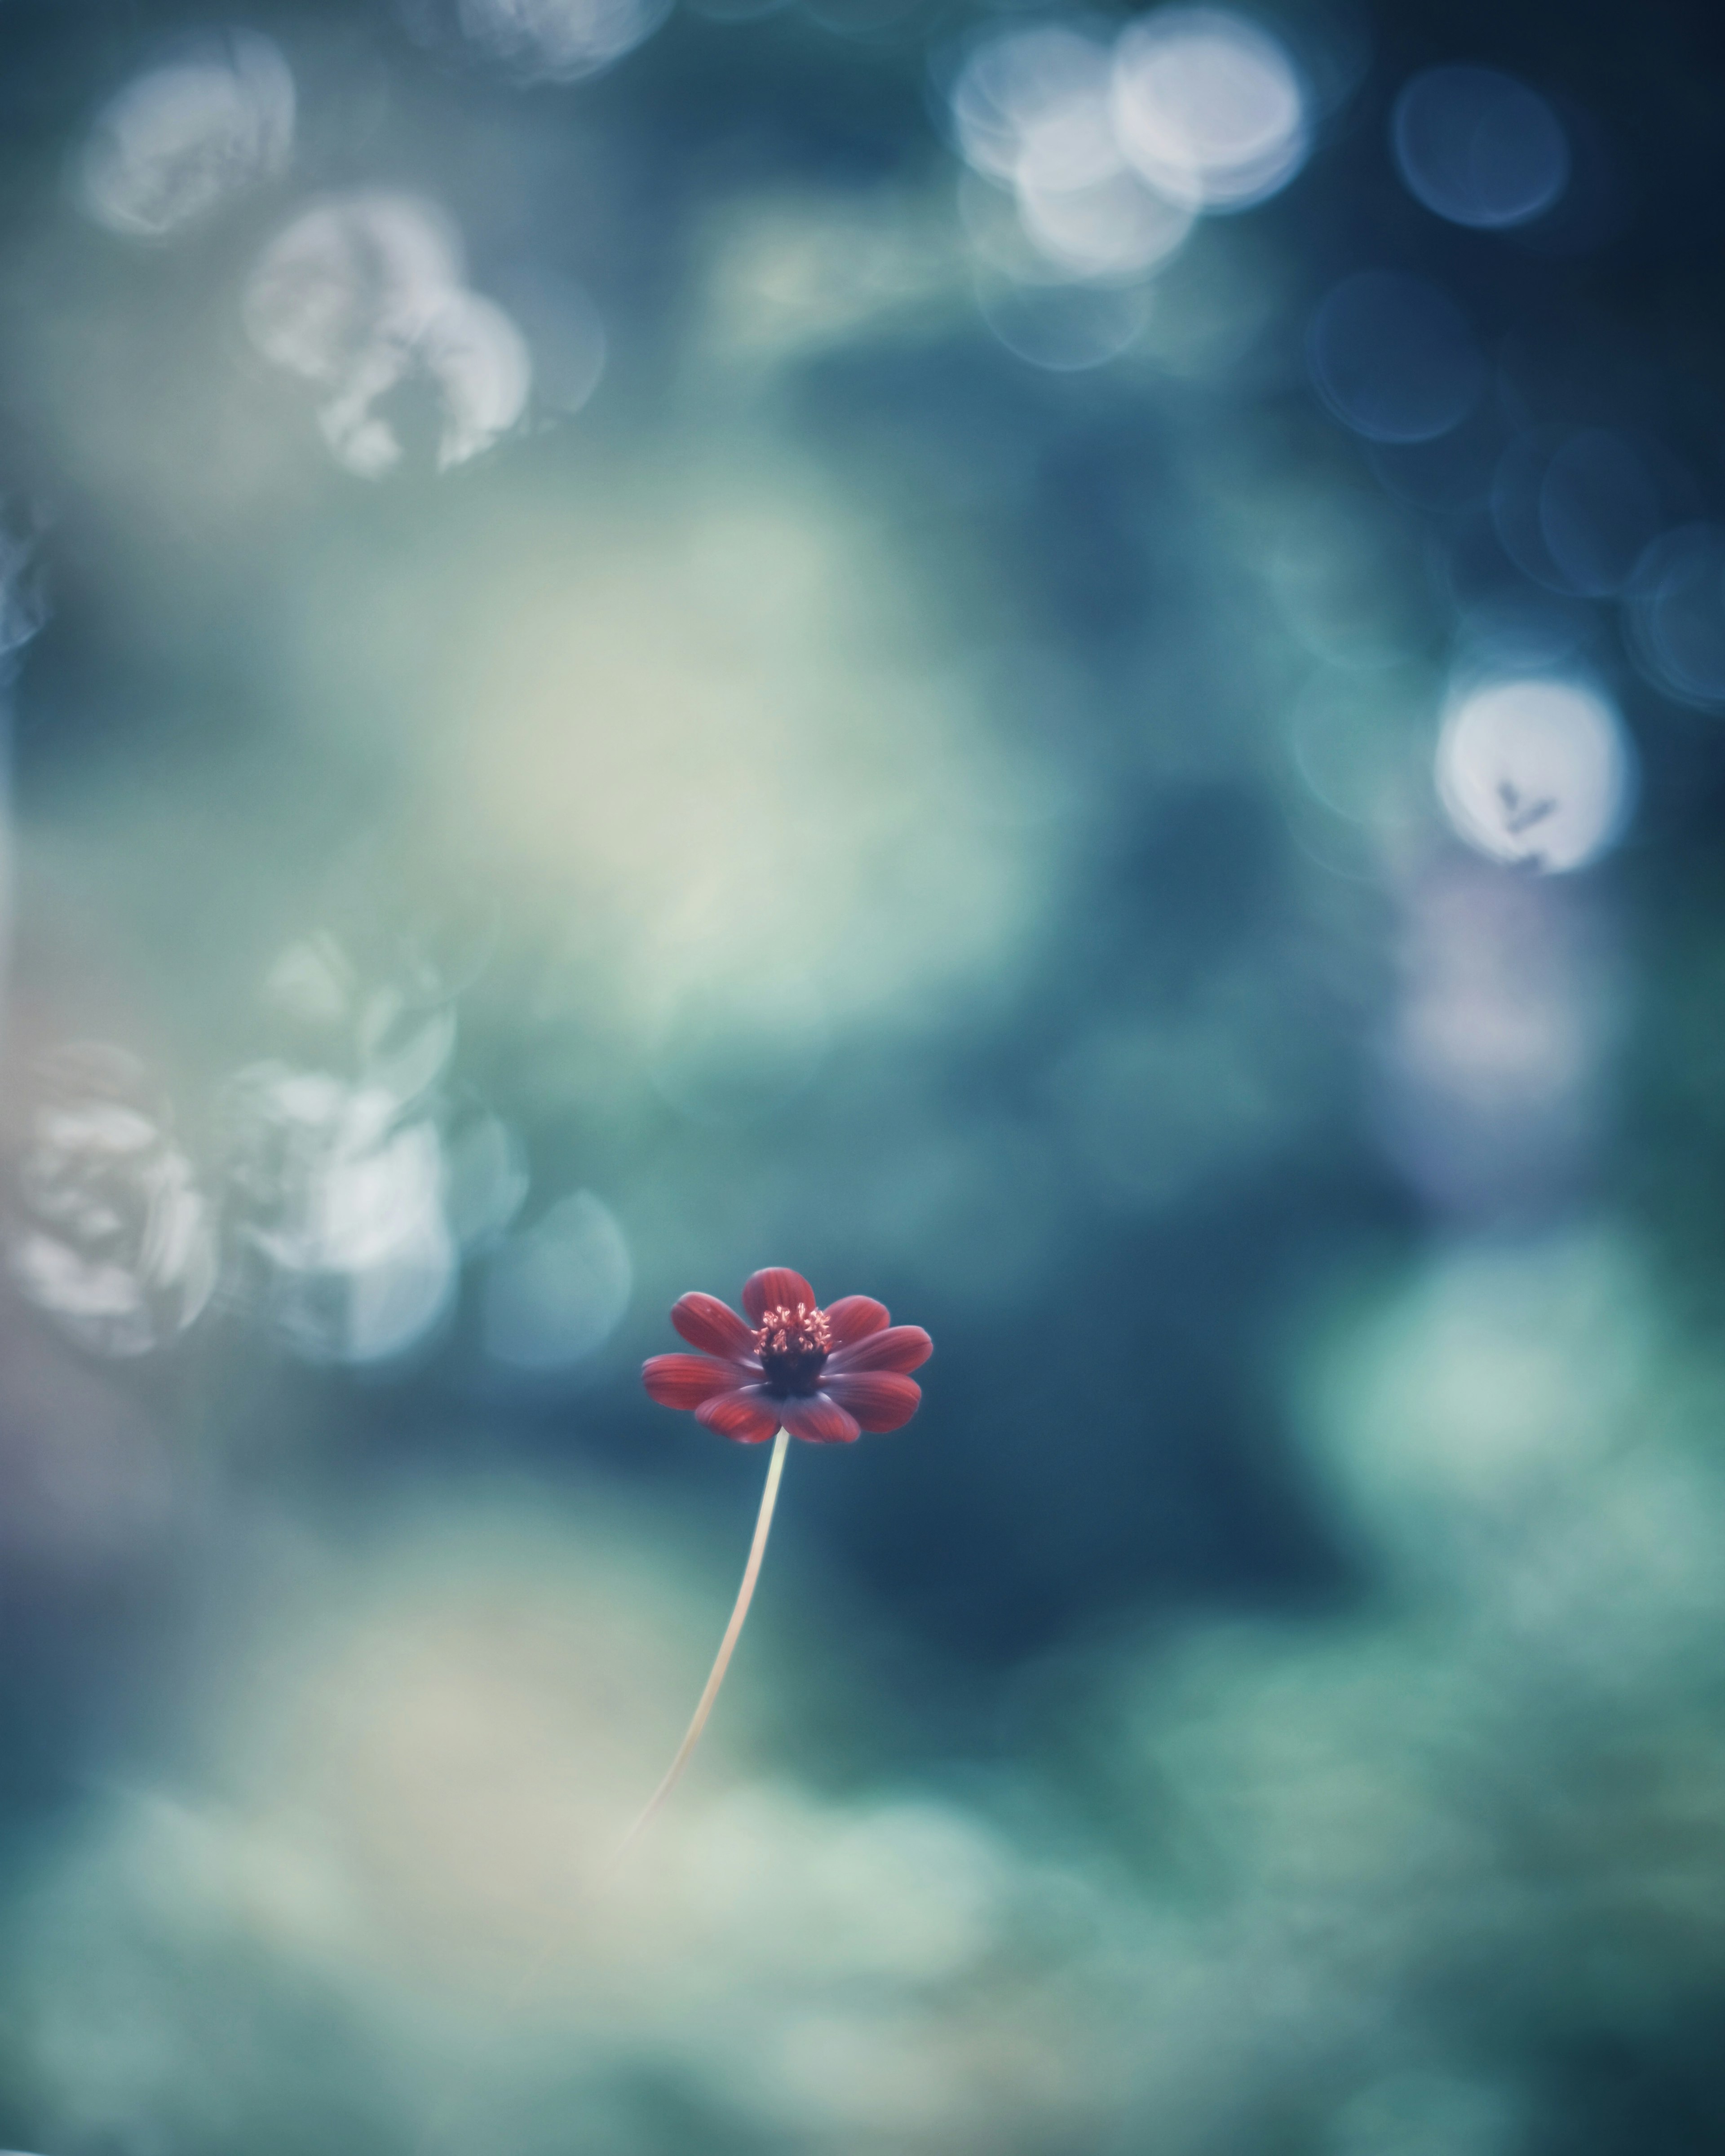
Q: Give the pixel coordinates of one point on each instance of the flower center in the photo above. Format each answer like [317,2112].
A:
[793,1344]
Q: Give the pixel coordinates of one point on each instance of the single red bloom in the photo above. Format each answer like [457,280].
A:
[826,1375]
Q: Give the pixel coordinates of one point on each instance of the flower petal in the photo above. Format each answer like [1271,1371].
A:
[818,1417]
[899,1347]
[746,1415]
[773,1287]
[854,1317]
[684,1381]
[879,1400]
[712,1326]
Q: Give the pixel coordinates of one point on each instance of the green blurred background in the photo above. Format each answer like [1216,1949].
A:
[1064,668]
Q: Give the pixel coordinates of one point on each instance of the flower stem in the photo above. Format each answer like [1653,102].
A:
[745,1594]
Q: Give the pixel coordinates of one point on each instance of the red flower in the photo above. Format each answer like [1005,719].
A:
[826,1375]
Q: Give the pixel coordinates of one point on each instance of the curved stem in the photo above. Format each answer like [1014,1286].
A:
[745,1594]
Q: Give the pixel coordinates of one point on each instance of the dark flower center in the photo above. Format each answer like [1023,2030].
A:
[792,1345]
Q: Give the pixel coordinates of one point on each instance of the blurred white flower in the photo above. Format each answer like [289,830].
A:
[113,1237]
[338,1195]
[362,297]
[177,141]
[336,1166]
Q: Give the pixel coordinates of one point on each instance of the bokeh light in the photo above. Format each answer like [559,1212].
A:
[1067,332]
[1677,615]
[1113,227]
[1575,511]
[487,1179]
[1210,107]
[1035,101]
[1537,771]
[1031,110]
[1394,357]
[1479,147]
[1493,1069]
[557,1292]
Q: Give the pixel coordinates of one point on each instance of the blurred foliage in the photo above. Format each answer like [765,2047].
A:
[640,645]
